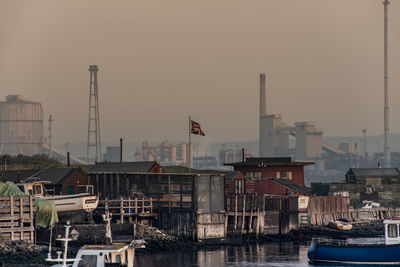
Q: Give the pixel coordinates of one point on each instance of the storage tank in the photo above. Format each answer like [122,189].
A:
[21,126]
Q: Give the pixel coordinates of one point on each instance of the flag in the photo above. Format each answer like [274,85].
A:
[196,128]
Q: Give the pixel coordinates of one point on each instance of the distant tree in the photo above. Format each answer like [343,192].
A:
[21,162]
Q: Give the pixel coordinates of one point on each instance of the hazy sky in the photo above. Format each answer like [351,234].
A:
[161,61]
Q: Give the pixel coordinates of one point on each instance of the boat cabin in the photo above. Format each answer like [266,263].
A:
[35,188]
[392,230]
[114,255]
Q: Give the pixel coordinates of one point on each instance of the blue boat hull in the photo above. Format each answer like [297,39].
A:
[355,254]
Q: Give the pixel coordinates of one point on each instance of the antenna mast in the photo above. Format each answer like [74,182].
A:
[386,79]
[94,118]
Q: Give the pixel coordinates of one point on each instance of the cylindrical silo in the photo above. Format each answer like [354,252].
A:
[21,126]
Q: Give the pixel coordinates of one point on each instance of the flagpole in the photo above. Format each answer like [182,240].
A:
[190,142]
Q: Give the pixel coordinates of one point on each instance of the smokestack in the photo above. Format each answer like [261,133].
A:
[242,154]
[120,150]
[364,131]
[263,96]
[68,160]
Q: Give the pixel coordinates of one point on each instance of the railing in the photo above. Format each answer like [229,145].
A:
[349,242]
[128,207]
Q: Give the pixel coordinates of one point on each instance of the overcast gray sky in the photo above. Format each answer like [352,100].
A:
[161,61]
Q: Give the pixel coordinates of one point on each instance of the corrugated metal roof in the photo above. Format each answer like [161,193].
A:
[375,172]
[268,161]
[54,175]
[137,166]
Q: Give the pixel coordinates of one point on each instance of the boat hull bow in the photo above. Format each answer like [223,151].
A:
[354,254]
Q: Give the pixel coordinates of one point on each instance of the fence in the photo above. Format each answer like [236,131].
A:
[16,218]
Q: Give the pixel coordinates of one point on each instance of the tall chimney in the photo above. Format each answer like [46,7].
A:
[263,112]
[68,160]
[263,96]
[364,131]
[120,150]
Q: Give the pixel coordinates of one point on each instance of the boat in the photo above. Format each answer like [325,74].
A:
[109,255]
[64,203]
[383,252]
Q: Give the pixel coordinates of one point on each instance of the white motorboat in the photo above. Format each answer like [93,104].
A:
[117,254]
[83,201]
[75,202]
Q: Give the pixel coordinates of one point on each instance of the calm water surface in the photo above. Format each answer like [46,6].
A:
[268,254]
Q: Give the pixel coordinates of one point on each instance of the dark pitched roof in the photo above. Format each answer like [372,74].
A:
[269,161]
[291,185]
[54,175]
[137,166]
[374,172]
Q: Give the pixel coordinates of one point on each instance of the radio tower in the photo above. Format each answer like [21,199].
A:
[386,80]
[94,118]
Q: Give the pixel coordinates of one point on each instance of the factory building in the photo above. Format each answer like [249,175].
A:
[274,133]
[233,155]
[274,140]
[165,153]
[21,126]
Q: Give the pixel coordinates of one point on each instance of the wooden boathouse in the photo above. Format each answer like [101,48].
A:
[250,211]
[183,204]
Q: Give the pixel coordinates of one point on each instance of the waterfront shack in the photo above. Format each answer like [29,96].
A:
[185,204]
[252,208]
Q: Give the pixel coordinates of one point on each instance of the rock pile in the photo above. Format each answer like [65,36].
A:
[150,233]
[15,253]
[158,240]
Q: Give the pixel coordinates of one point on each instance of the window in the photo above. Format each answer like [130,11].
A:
[253,174]
[88,261]
[38,189]
[239,186]
[90,189]
[392,230]
[85,189]
[118,258]
[284,175]
[82,189]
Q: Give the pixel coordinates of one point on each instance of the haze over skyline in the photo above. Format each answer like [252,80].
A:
[160,62]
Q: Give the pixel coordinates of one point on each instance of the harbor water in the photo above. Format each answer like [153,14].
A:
[266,254]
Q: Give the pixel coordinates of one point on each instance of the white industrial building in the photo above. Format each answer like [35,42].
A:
[21,126]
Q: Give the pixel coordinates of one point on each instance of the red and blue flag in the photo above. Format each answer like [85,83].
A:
[196,129]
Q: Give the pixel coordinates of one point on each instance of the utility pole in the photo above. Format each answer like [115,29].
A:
[386,163]
[93,139]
